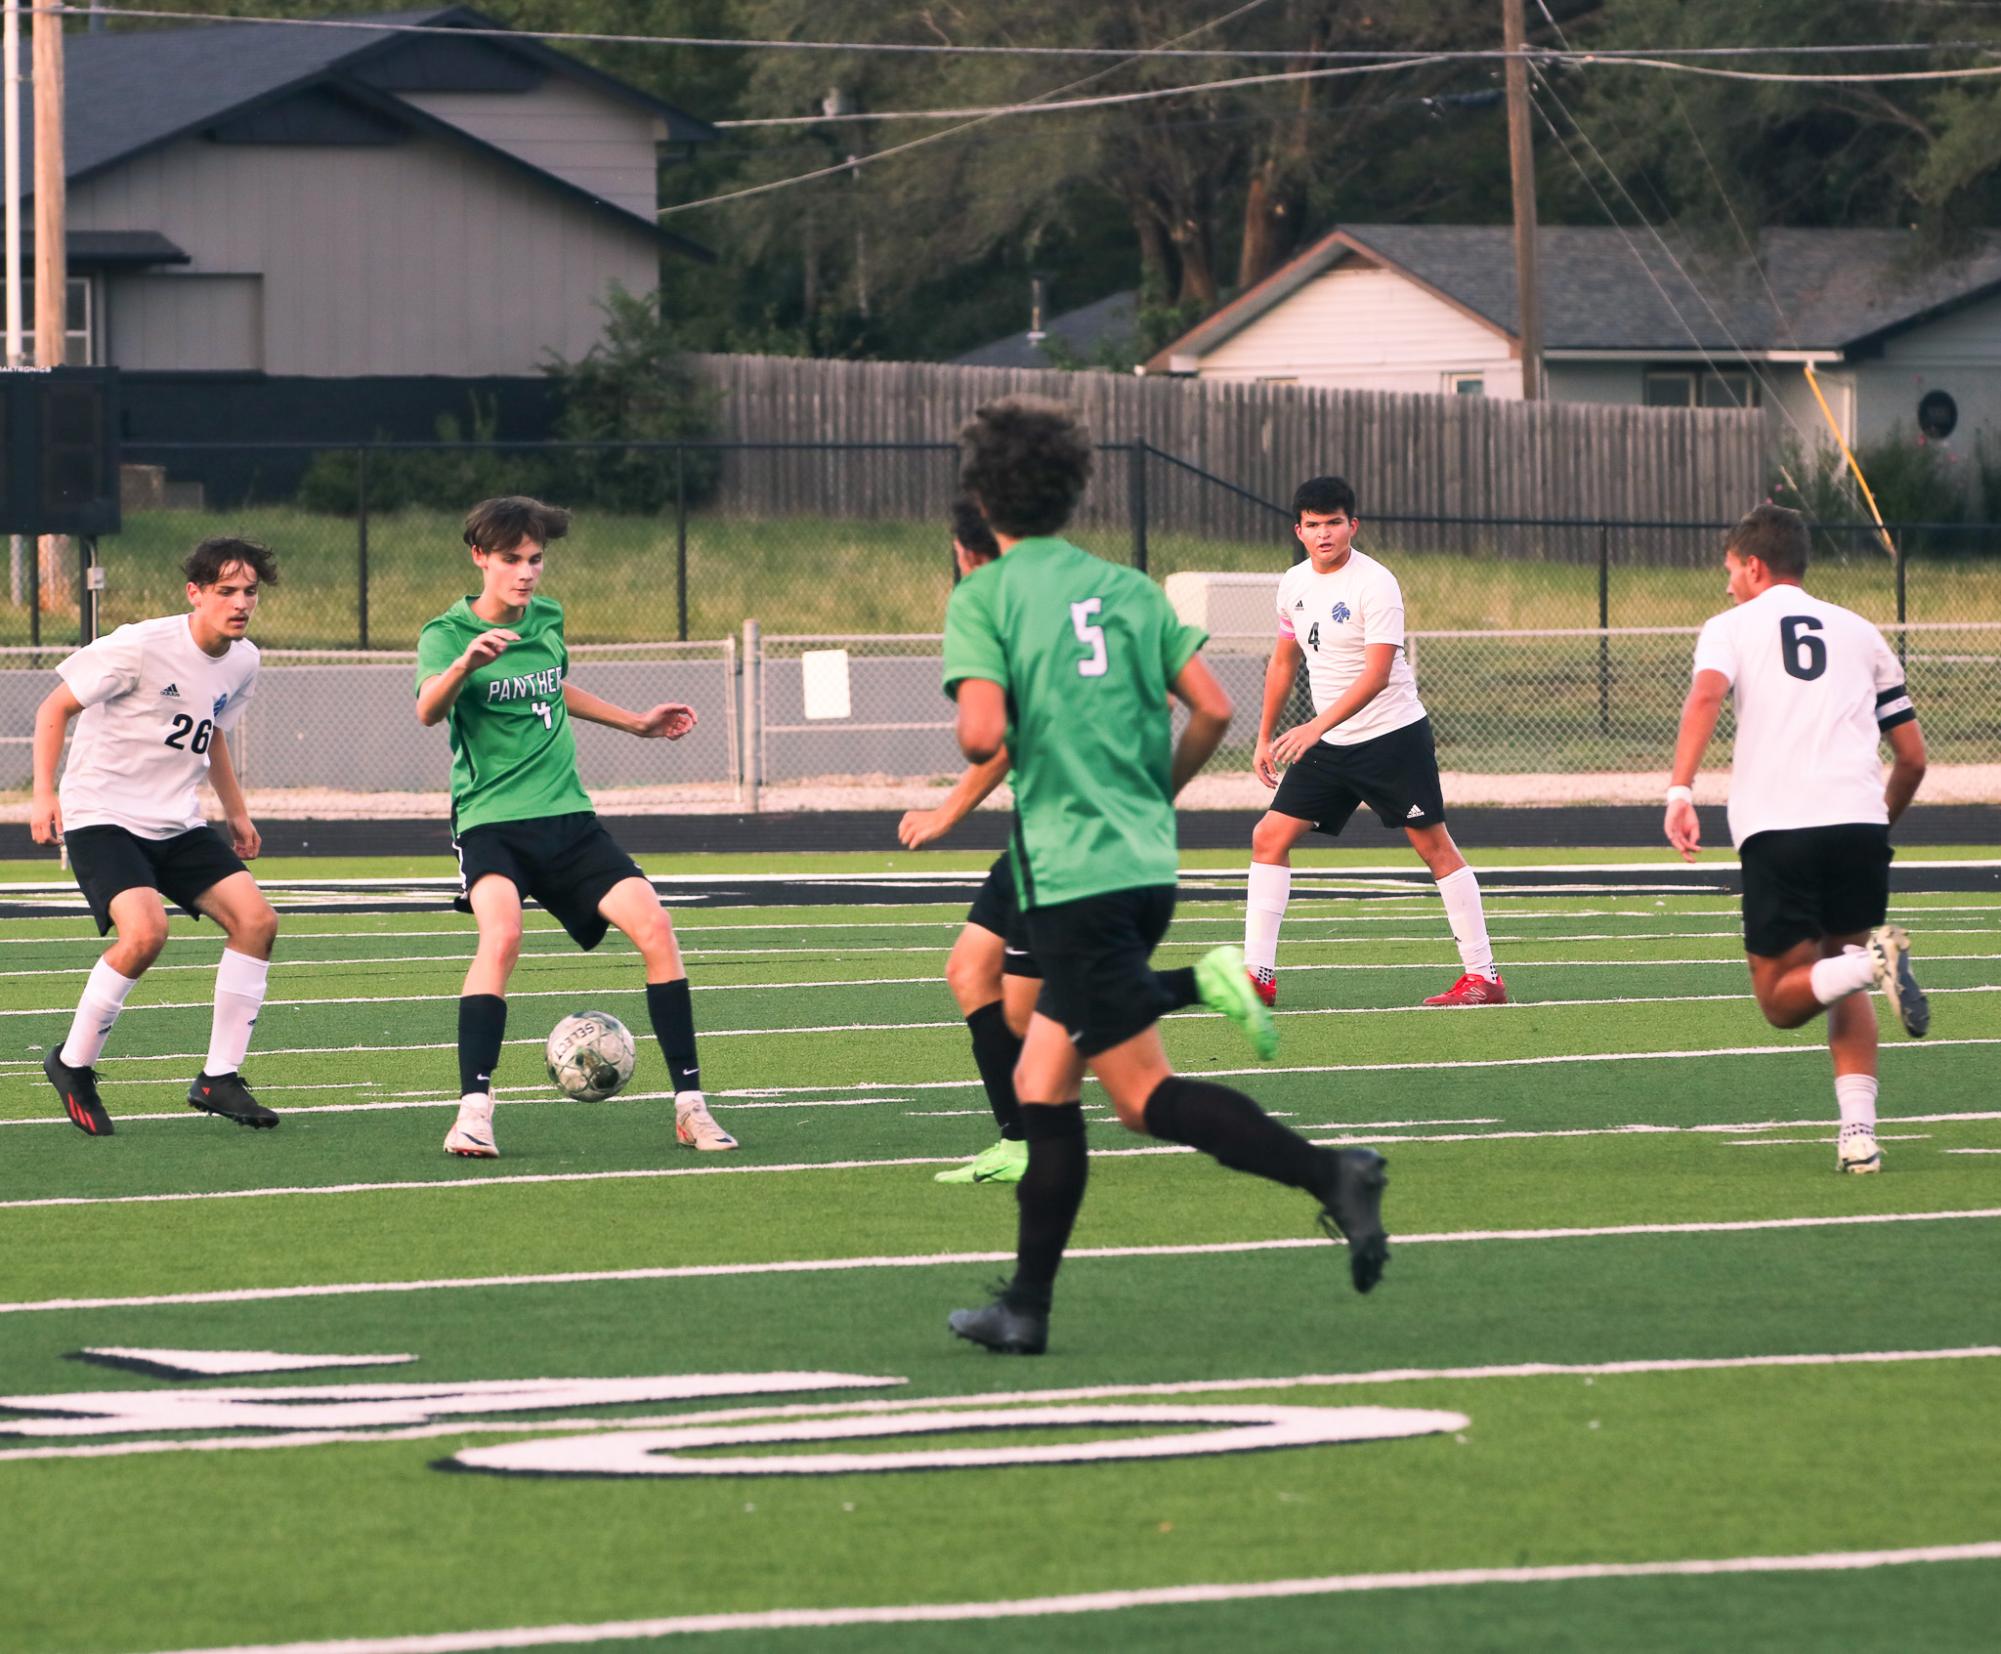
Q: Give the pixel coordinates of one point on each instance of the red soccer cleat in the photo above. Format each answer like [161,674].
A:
[1472,989]
[1265,985]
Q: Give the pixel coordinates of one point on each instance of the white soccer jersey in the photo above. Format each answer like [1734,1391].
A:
[1334,617]
[152,701]
[1815,687]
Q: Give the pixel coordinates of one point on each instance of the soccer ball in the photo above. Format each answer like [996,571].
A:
[590,1056]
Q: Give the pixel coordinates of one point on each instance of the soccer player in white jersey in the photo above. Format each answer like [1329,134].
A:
[1368,742]
[157,701]
[1816,690]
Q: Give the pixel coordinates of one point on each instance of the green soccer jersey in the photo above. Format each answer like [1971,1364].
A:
[1085,651]
[514,756]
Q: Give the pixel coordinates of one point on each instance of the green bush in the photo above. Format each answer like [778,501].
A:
[1913,481]
[445,479]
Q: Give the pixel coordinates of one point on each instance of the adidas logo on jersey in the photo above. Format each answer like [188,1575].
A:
[171,690]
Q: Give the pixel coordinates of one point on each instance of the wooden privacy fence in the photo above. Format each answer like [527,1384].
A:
[1453,456]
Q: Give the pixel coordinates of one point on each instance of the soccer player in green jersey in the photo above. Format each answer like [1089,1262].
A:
[494,667]
[1068,662]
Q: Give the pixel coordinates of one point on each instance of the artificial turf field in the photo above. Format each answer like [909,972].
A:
[1663,1379]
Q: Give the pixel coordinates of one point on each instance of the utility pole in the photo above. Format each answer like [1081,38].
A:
[51,265]
[1521,174]
[10,183]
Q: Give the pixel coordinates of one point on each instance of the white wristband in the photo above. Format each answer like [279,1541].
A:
[1685,794]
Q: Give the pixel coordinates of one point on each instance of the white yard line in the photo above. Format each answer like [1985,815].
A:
[915,981]
[1099,1602]
[816,1266]
[1404,1132]
[972,1084]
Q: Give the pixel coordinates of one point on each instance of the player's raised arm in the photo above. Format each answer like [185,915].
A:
[439,693]
[45,819]
[1209,711]
[669,721]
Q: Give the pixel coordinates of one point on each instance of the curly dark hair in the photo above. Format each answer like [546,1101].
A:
[969,529]
[204,565]
[1774,535]
[1027,461]
[502,524]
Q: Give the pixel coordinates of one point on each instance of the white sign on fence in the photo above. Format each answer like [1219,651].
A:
[824,683]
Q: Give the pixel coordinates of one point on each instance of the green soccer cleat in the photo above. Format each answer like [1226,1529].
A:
[1226,987]
[1002,1161]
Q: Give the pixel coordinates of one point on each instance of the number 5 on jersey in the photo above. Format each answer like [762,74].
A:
[1094,664]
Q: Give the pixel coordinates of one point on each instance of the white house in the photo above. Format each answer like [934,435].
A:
[1895,338]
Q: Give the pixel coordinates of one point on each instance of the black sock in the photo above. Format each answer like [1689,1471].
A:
[996,1049]
[482,1027]
[1048,1195]
[673,1015]
[1178,988]
[1232,1128]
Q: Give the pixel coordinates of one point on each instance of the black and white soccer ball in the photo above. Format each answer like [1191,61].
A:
[590,1056]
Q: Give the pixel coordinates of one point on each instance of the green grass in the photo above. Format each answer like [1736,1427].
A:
[813,575]
[367,1538]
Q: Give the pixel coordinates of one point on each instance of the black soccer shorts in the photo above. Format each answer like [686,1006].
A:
[1096,976]
[996,909]
[107,860]
[1804,883]
[1396,775]
[567,863]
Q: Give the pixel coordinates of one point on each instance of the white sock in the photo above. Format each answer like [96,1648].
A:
[1855,1096]
[1848,973]
[239,996]
[1460,892]
[1264,911]
[96,1013]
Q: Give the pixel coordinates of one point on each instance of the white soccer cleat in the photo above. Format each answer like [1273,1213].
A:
[1889,953]
[472,1132]
[1857,1152]
[695,1127]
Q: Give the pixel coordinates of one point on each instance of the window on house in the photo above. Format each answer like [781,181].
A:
[1465,384]
[1699,388]
[1938,415]
[78,322]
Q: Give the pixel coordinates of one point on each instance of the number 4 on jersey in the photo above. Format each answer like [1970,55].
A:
[541,710]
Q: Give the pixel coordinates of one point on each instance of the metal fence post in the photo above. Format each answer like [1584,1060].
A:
[1136,500]
[1903,637]
[1604,627]
[34,591]
[681,537]
[361,541]
[753,744]
[89,582]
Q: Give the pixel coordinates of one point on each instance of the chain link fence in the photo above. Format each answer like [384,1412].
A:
[1539,645]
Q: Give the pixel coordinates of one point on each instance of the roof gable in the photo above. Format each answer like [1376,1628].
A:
[1612,289]
[135,90]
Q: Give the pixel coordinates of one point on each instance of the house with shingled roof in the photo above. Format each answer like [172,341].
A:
[1898,339]
[324,232]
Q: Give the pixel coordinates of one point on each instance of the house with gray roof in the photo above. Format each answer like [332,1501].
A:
[1897,340]
[315,232]
[1104,327]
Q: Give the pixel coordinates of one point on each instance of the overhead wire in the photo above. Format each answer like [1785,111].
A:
[855,162]
[949,48]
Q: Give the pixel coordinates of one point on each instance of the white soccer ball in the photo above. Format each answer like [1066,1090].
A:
[590,1056]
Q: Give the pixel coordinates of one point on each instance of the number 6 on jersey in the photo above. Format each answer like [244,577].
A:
[1094,664]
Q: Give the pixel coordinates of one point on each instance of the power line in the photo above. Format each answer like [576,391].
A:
[855,162]
[1123,54]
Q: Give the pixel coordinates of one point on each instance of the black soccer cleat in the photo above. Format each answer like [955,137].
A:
[228,1096]
[1002,1327]
[1352,1208]
[78,1089]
